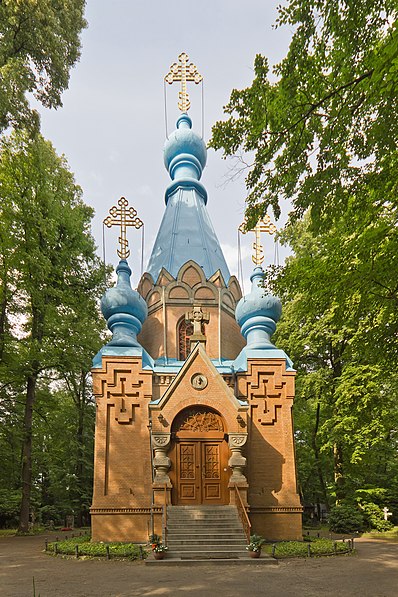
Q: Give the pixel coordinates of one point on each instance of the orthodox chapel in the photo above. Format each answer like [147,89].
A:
[193,400]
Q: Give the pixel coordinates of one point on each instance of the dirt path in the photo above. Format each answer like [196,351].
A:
[372,572]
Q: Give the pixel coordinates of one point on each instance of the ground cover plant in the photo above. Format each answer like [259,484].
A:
[299,549]
[88,548]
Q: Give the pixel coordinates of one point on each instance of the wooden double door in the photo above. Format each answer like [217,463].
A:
[201,471]
[199,457]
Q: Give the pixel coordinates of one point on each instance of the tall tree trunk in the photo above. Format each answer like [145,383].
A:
[26,476]
[318,462]
[36,337]
[339,473]
[79,456]
[3,313]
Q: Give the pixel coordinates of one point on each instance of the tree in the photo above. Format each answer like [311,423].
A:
[341,332]
[329,125]
[324,137]
[54,277]
[39,45]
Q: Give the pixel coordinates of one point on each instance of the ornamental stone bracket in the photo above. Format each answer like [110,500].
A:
[237,461]
[161,462]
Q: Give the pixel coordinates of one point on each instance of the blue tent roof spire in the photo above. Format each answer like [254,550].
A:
[186,231]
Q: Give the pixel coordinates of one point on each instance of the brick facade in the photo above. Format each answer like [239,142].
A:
[136,407]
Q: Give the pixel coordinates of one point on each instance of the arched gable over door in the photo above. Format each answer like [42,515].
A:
[199,457]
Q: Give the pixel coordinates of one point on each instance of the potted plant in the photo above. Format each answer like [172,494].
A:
[159,550]
[254,547]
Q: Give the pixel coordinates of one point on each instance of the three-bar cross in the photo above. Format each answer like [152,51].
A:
[264,225]
[123,216]
[182,71]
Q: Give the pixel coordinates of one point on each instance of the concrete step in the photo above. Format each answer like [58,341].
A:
[245,560]
[224,535]
[198,517]
[204,541]
[204,534]
[204,523]
[208,552]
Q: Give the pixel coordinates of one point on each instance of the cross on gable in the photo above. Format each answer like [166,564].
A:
[123,216]
[264,225]
[183,72]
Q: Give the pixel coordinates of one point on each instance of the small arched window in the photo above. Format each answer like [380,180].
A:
[184,332]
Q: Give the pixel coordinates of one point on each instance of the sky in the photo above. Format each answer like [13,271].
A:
[111,127]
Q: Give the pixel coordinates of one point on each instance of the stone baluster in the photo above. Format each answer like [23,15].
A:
[237,461]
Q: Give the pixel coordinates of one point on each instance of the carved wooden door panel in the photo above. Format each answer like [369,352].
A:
[188,473]
[201,472]
[200,456]
[211,472]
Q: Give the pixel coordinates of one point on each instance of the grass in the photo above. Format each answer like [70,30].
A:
[391,535]
[7,532]
[299,549]
[87,548]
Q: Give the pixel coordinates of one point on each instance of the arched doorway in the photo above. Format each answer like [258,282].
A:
[199,458]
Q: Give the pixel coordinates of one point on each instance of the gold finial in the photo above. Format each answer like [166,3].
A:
[182,71]
[128,217]
[264,225]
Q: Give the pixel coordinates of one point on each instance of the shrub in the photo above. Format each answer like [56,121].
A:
[345,519]
[374,517]
[10,503]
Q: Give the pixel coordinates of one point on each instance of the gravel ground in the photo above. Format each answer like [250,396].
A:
[371,571]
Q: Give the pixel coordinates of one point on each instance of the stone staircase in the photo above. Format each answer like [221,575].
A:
[205,533]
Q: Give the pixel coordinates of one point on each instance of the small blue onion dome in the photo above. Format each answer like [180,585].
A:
[124,309]
[257,313]
[185,153]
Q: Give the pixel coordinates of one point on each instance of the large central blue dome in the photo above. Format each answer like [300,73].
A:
[186,231]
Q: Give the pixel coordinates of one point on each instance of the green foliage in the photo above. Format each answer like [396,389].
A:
[374,517]
[129,551]
[323,136]
[256,543]
[299,549]
[329,124]
[345,518]
[49,329]
[10,503]
[39,45]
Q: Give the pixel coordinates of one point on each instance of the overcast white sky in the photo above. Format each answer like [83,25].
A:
[111,127]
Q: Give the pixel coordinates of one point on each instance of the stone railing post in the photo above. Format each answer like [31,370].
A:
[237,461]
[161,462]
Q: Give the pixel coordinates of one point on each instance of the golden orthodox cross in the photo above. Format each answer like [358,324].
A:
[264,225]
[123,216]
[182,71]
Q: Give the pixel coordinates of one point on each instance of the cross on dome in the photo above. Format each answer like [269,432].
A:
[127,217]
[264,225]
[183,72]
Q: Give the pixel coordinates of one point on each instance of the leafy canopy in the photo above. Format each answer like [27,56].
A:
[39,45]
[329,125]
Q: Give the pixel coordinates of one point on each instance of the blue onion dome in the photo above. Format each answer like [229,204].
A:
[124,309]
[257,313]
[185,153]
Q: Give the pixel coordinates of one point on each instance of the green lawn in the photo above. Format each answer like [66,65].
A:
[391,535]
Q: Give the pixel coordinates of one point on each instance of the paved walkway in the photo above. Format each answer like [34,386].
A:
[371,572]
